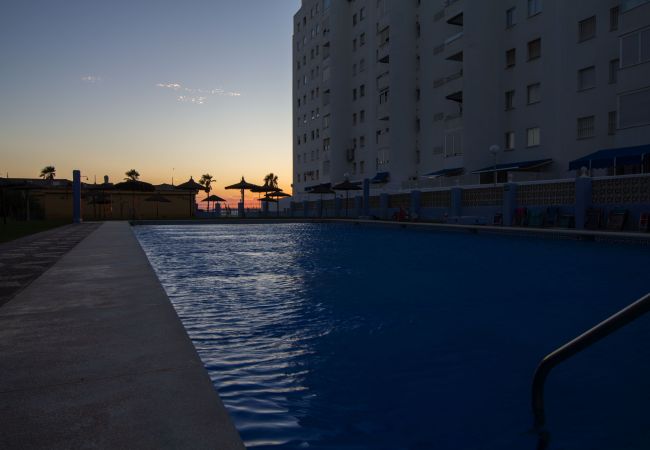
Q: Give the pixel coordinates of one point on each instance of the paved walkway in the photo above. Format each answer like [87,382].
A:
[25,259]
[93,355]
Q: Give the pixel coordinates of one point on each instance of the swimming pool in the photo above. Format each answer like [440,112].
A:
[360,337]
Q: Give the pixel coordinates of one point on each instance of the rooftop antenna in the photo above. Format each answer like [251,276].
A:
[172,176]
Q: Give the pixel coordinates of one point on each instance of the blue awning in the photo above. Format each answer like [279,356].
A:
[524,165]
[445,173]
[381,177]
[318,186]
[612,157]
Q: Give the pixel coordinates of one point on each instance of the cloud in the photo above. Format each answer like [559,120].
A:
[196,95]
[91,79]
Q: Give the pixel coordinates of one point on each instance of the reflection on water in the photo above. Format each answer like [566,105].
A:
[342,337]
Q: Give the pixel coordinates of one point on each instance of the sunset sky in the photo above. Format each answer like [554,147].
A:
[170,88]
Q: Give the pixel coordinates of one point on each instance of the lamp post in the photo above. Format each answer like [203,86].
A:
[495,149]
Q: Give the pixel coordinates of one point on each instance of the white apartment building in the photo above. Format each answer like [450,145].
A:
[415,93]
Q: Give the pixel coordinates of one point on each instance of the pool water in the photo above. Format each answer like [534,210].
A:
[360,337]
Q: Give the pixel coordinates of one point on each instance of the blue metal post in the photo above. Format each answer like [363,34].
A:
[509,203]
[583,200]
[366,196]
[416,197]
[383,205]
[76,196]
[456,202]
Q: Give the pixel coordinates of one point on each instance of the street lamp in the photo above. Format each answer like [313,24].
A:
[495,149]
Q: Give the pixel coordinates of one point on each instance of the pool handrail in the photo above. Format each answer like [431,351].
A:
[586,339]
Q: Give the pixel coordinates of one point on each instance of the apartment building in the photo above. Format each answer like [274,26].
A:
[413,94]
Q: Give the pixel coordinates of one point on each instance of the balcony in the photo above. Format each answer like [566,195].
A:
[383,111]
[383,140]
[453,83]
[383,82]
[454,45]
[383,53]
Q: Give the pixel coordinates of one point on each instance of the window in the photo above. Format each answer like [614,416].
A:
[635,48]
[362,39]
[326,144]
[613,70]
[533,137]
[613,18]
[534,93]
[362,141]
[586,78]
[586,127]
[354,19]
[534,7]
[362,65]
[354,94]
[534,49]
[354,69]
[354,45]
[510,17]
[362,116]
[362,90]
[587,29]
[612,117]
[634,108]
[354,118]
[362,14]
[511,57]
[510,140]
[362,167]
[510,100]
[453,144]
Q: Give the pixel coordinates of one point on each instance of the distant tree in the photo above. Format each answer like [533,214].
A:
[48,173]
[132,175]
[271,181]
[206,182]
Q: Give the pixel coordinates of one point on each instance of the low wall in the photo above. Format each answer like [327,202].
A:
[504,203]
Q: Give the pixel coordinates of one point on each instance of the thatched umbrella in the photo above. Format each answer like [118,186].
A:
[158,198]
[242,186]
[212,198]
[322,189]
[346,186]
[275,196]
[193,188]
[134,186]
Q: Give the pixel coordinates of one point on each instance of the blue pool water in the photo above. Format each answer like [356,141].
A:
[357,337]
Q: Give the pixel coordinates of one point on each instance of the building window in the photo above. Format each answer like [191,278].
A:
[510,100]
[587,29]
[510,140]
[362,141]
[354,19]
[634,108]
[362,90]
[586,127]
[354,94]
[362,116]
[635,48]
[613,70]
[587,78]
[453,144]
[511,57]
[362,167]
[534,49]
[534,7]
[533,137]
[614,13]
[326,144]
[362,14]
[612,118]
[354,118]
[362,39]
[510,17]
[534,93]
[362,65]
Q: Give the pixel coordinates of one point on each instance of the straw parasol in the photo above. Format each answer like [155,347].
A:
[212,198]
[346,186]
[321,189]
[275,197]
[193,188]
[158,199]
[242,186]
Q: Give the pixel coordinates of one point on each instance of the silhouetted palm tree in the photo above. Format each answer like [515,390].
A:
[271,181]
[206,182]
[48,173]
[132,175]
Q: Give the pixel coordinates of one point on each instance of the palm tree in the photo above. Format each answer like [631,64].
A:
[132,175]
[206,181]
[271,181]
[48,173]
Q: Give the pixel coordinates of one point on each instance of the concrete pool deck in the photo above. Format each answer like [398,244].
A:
[94,355]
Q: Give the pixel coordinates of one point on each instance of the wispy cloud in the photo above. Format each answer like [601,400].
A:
[196,95]
[91,79]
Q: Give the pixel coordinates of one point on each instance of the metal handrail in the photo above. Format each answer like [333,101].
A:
[588,338]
